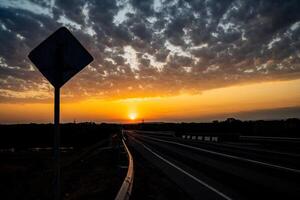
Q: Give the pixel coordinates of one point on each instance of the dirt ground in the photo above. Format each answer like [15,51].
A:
[29,175]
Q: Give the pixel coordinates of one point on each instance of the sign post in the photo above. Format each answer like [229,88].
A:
[59,57]
[56,143]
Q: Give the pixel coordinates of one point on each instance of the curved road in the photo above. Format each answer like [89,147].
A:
[216,171]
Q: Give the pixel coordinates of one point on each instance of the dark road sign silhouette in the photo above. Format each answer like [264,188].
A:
[59,58]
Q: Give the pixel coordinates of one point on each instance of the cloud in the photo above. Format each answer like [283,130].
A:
[264,114]
[153,48]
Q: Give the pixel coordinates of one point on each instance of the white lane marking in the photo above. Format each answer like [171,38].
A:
[266,137]
[238,146]
[229,156]
[186,173]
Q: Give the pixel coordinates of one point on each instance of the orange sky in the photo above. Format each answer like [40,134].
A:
[185,107]
[224,60]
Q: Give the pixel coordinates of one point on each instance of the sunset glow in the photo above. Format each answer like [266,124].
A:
[154,64]
[209,105]
[132,116]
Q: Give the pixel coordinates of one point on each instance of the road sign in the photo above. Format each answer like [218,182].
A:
[59,58]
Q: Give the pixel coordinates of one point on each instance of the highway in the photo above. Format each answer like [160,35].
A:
[220,170]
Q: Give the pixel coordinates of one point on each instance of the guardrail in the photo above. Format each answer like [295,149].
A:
[125,190]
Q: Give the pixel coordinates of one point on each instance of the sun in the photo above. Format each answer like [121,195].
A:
[132,116]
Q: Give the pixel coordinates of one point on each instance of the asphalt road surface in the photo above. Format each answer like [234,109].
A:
[221,170]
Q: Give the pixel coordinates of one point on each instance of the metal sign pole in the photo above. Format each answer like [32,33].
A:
[56,144]
[59,58]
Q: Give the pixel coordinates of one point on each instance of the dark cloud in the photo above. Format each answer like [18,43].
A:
[145,7]
[154,47]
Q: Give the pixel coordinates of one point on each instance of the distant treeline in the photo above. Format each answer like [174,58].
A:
[85,134]
[42,135]
[231,126]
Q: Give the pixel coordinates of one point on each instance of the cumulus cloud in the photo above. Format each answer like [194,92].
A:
[152,48]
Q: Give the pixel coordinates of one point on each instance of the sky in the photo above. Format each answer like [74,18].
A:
[156,60]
